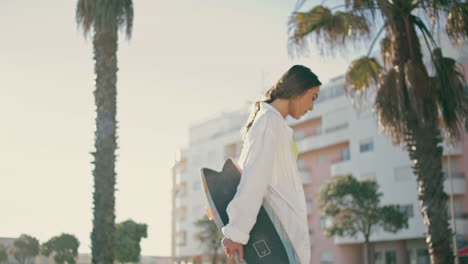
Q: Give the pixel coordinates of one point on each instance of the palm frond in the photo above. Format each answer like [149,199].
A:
[334,28]
[437,9]
[434,9]
[451,96]
[390,105]
[362,7]
[85,14]
[363,73]
[357,4]
[420,94]
[105,15]
[457,21]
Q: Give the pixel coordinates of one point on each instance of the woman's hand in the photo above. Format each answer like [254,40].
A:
[231,247]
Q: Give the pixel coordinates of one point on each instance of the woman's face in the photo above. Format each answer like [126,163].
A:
[300,105]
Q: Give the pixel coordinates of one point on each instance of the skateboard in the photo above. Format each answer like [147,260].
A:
[268,241]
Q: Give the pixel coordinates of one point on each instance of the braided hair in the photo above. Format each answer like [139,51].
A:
[295,82]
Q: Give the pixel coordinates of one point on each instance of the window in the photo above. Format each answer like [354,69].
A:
[385,257]
[325,222]
[390,257]
[322,97]
[378,258]
[181,213]
[326,257]
[338,127]
[317,130]
[345,154]
[366,145]
[340,90]
[453,168]
[330,93]
[180,189]
[301,165]
[182,165]
[422,256]
[457,209]
[181,238]
[408,210]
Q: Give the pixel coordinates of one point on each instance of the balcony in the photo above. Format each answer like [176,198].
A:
[461,225]
[452,150]
[343,167]
[327,137]
[322,109]
[346,240]
[458,183]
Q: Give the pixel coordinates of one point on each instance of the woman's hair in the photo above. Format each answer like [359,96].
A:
[295,82]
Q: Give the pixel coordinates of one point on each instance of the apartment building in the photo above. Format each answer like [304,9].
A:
[337,138]
[210,143]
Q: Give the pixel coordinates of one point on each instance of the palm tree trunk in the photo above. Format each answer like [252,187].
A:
[102,236]
[422,139]
[423,148]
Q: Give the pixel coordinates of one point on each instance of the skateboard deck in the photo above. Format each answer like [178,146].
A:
[268,241]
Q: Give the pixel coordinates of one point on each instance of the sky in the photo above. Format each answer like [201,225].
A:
[186,62]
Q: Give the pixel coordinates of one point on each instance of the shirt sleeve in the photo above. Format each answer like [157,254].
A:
[256,176]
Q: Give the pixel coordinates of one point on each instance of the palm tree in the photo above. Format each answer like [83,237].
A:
[408,100]
[105,17]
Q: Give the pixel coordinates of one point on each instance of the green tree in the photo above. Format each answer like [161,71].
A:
[25,247]
[209,237]
[408,100]
[128,235]
[3,253]
[355,208]
[104,18]
[64,246]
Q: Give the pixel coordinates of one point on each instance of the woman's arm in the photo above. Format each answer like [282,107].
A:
[256,176]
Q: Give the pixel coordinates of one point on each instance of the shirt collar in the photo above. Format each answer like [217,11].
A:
[267,107]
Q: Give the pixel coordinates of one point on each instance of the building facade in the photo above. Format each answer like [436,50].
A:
[210,144]
[337,138]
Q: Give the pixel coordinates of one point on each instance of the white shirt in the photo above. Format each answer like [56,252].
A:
[270,174]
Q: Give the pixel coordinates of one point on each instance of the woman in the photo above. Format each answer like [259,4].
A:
[269,168]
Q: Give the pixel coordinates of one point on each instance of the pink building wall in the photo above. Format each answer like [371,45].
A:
[319,164]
